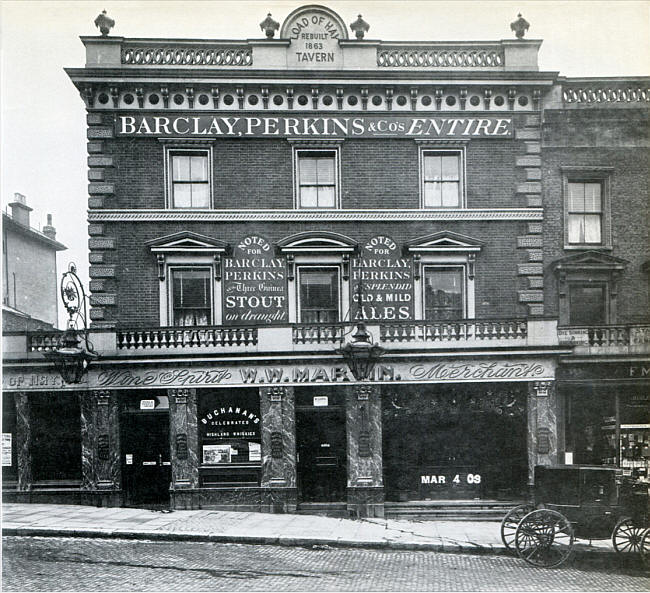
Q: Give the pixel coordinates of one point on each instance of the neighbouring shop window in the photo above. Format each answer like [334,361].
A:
[9,460]
[191,296]
[229,426]
[56,436]
[443,293]
[189,179]
[587,304]
[316,174]
[441,179]
[585,212]
[319,294]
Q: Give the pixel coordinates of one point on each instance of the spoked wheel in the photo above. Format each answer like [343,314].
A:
[626,538]
[510,522]
[645,548]
[544,538]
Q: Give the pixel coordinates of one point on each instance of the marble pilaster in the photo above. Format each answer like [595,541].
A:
[542,425]
[183,438]
[364,441]
[277,407]
[23,442]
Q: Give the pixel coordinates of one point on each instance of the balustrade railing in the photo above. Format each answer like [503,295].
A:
[185,337]
[591,93]
[440,57]
[450,331]
[606,335]
[211,54]
[44,341]
[318,334]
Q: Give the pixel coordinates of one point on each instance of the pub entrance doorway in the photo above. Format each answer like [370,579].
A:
[146,463]
[321,446]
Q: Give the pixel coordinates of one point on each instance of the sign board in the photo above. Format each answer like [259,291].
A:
[147,404]
[254,452]
[321,400]
[6,449]
[128,459]
[213,454]
[322,127]
[314,32]
[449,481]
[382,282]
[254,284]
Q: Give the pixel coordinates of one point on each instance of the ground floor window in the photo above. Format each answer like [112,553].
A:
[56,436]
[9,461]
[455,441]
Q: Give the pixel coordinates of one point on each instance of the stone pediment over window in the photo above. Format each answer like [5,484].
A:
[317,242]
[596,261]
[444,241]
[187,242]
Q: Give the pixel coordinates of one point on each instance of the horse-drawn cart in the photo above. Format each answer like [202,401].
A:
[572,501]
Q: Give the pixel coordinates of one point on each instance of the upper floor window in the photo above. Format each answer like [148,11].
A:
[189,179]
[191,296]
[319,294]
[316,178]
[442,178]
[588,304]
[444,293]
[585,212]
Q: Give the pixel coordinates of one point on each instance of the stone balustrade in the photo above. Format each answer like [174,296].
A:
[318,333]
[605,336]
[185,337]
[418,56]
[167,53]
[619,93]
[454,331]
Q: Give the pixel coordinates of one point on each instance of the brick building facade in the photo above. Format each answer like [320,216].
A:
[251,202]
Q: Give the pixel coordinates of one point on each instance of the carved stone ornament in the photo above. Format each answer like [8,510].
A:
[104,23]
[269,26]
[359,27]
[520,26]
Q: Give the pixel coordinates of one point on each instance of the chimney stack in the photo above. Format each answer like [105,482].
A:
[48,230]
[20,210]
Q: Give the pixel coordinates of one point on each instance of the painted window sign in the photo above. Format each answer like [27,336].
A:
[254,284]
[6,449]
[382,282]
[209,126]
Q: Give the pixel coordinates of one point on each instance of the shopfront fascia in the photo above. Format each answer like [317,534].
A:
[231,434]
[607,407]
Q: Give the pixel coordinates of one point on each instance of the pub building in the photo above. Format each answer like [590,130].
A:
[330,273]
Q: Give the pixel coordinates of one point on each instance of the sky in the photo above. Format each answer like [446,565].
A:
[42,118]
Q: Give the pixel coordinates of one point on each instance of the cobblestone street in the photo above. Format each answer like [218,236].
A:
[57,564]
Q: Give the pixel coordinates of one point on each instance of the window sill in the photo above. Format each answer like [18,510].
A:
[587,247]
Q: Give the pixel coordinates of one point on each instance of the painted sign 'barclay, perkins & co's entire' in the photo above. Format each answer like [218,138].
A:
[209,126]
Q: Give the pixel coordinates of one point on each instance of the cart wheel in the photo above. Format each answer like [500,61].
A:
[544,538]
[644,550]
[626,537]
[510,522]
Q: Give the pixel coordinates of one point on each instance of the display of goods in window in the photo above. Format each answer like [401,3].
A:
[382,282]
[254,284]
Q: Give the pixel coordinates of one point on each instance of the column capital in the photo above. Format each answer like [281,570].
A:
[181,396]
[102,396]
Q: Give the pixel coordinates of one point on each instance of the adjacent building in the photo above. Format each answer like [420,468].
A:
[251,202]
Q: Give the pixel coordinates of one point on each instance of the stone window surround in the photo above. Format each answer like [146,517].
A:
[588,174]
[178,146]
[452,147]
[301,146]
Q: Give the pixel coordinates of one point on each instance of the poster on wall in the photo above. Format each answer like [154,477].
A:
[254,452]
[6,449]
[254,284]
[381,282]
[216,454]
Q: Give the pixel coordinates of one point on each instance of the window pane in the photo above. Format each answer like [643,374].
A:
[576,228]
[432,168]
[592,228]
[192,298]
[200,195]
[443,293]
[180,168]
[432,195]
[309,196]
[199,168]
[325,170]
[592,197]
[308,171]
[326,197]
[319,295]
[576,197]
[449,195]
[182,195]
[586,305]
[450,168]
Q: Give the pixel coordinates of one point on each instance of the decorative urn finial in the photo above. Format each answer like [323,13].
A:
[269,26]
[359,27]
[104,23]
[520,26]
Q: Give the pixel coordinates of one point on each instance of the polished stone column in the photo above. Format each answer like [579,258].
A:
[542,425]
[100,444]
[364,435]
[183,441]
[277,407]
[23,442]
